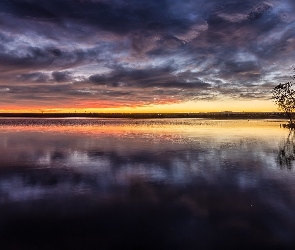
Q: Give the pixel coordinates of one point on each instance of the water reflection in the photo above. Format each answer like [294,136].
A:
[286,155]
[150,184]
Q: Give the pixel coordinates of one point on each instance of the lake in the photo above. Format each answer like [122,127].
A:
[146,184]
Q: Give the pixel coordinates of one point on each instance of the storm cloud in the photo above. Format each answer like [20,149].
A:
[143,52]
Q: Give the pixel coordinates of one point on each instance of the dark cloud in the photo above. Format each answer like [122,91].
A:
[143,50]
[259,11]
[116,16]
[248,70]
[33,57]
[33,77]
[150,77]
[61,76]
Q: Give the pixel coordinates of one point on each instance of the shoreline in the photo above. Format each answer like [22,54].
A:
[210,115]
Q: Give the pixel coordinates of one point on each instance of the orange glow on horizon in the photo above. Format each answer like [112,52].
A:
[184,107]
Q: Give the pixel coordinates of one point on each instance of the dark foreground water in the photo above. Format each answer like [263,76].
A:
[146,184]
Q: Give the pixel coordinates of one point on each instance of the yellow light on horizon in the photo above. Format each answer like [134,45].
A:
[184,107]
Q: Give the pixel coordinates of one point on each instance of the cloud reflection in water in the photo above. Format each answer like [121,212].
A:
[149,184]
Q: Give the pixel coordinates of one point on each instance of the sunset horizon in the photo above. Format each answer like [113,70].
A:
[185,107]
[147,56]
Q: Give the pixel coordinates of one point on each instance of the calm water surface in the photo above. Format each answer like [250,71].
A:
[146,184]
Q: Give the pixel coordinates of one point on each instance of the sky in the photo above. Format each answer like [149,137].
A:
[144,55]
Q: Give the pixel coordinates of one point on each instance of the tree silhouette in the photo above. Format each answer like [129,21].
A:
[284,97]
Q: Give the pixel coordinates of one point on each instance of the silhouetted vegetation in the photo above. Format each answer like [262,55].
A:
[284,97]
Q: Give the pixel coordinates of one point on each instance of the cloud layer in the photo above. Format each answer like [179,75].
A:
[74,52]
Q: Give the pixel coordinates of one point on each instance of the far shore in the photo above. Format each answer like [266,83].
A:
[210,115]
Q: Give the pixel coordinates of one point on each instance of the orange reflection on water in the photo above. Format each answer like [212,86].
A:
[121,127]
